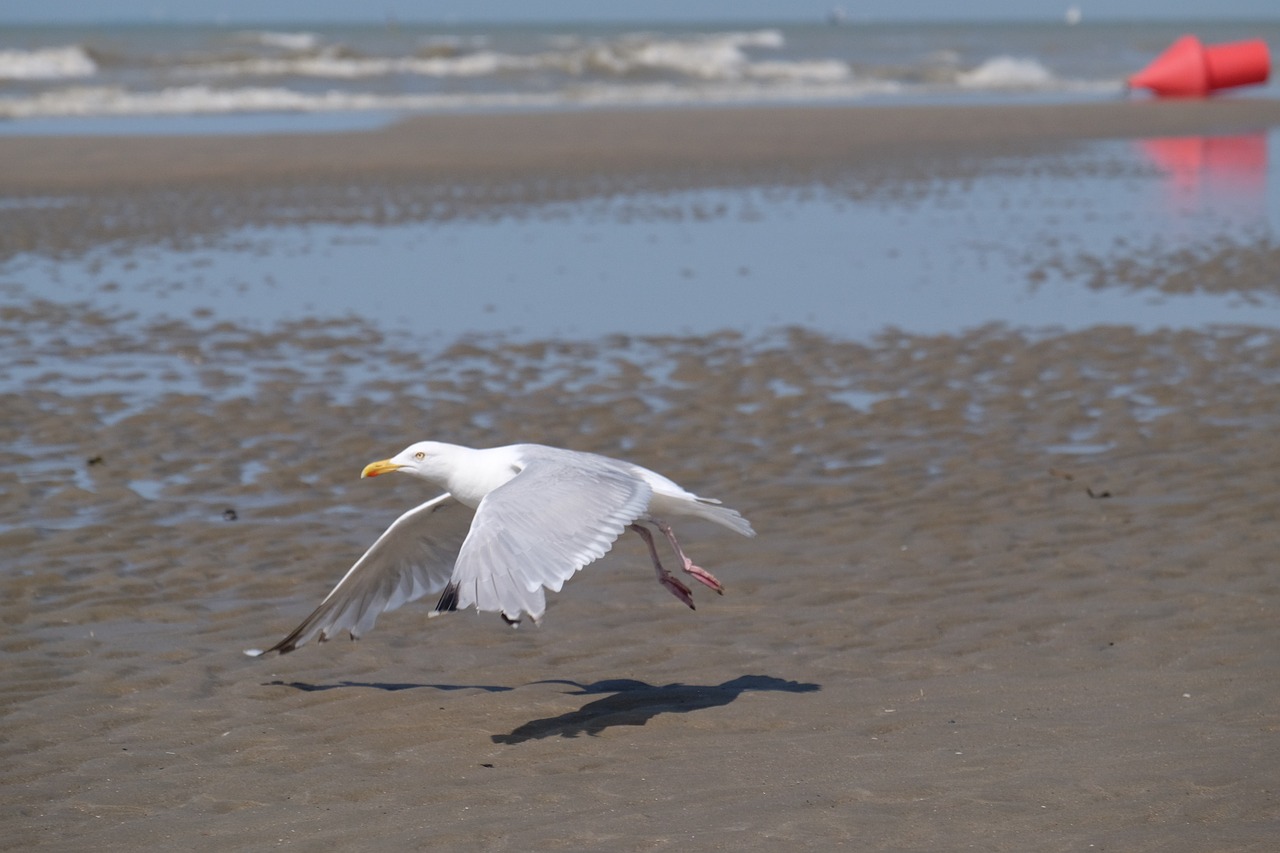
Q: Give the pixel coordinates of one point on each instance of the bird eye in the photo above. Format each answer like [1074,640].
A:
[419,456]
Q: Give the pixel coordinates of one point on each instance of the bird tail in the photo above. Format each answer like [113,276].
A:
[712,510]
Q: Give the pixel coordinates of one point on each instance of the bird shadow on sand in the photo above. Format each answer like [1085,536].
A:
[383,685]
[634,703]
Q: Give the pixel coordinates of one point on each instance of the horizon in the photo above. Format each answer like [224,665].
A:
[589,12]
[646,21]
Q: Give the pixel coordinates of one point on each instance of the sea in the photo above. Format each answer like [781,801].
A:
[158,78]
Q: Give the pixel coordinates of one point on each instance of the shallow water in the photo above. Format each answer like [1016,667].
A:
[1060,240]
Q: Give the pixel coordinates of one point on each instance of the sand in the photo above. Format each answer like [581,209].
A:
[1011,591]
[549,146]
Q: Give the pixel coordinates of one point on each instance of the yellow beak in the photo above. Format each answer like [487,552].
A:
[383,466]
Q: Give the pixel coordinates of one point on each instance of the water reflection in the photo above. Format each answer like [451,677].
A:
[1205,171]
[1067,240]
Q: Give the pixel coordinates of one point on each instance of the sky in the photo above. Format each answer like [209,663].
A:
[238,11]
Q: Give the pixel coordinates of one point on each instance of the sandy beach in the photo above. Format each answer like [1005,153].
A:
[698,145]
[1012,590]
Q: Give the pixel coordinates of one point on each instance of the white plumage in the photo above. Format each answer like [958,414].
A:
[541,514]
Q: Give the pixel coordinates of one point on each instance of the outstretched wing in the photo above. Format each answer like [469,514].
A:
[413,558]
[558,514]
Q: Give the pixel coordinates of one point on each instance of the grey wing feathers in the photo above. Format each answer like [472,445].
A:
[537,530]
[413,558]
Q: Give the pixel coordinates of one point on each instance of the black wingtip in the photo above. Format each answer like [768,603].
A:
[289,643]
[448,602]
[283,648]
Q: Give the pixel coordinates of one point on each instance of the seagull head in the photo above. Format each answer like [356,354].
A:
[427,459]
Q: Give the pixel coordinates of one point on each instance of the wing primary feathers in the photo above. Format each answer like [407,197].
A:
[413,557]
[449,600]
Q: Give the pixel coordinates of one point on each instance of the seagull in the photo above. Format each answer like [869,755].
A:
[541,514]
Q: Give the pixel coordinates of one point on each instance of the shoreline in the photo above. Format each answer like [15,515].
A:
[520,146]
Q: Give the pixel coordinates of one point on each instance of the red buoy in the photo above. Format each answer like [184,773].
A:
[1188,69]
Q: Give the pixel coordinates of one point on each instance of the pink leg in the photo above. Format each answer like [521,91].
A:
[665,577]
[702,575]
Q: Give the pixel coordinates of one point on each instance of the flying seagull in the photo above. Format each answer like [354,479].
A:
[541,514]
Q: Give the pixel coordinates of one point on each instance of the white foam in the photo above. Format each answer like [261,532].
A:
[714,56]
[1007,72]
[202,100]
[331,64]
[46,63]
[114,101]
[718,56]
[85,101]
[299,41]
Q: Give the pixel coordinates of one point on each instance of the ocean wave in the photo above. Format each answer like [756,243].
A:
[86,101]
[81,101]
[709,57]
[334,64]
[90,101]
[715,56]
[292,41]
[1008,72]
[632,70]
[46,63]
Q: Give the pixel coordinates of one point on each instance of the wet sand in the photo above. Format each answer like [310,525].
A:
[1011,591]
[548,146]
[79,193]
